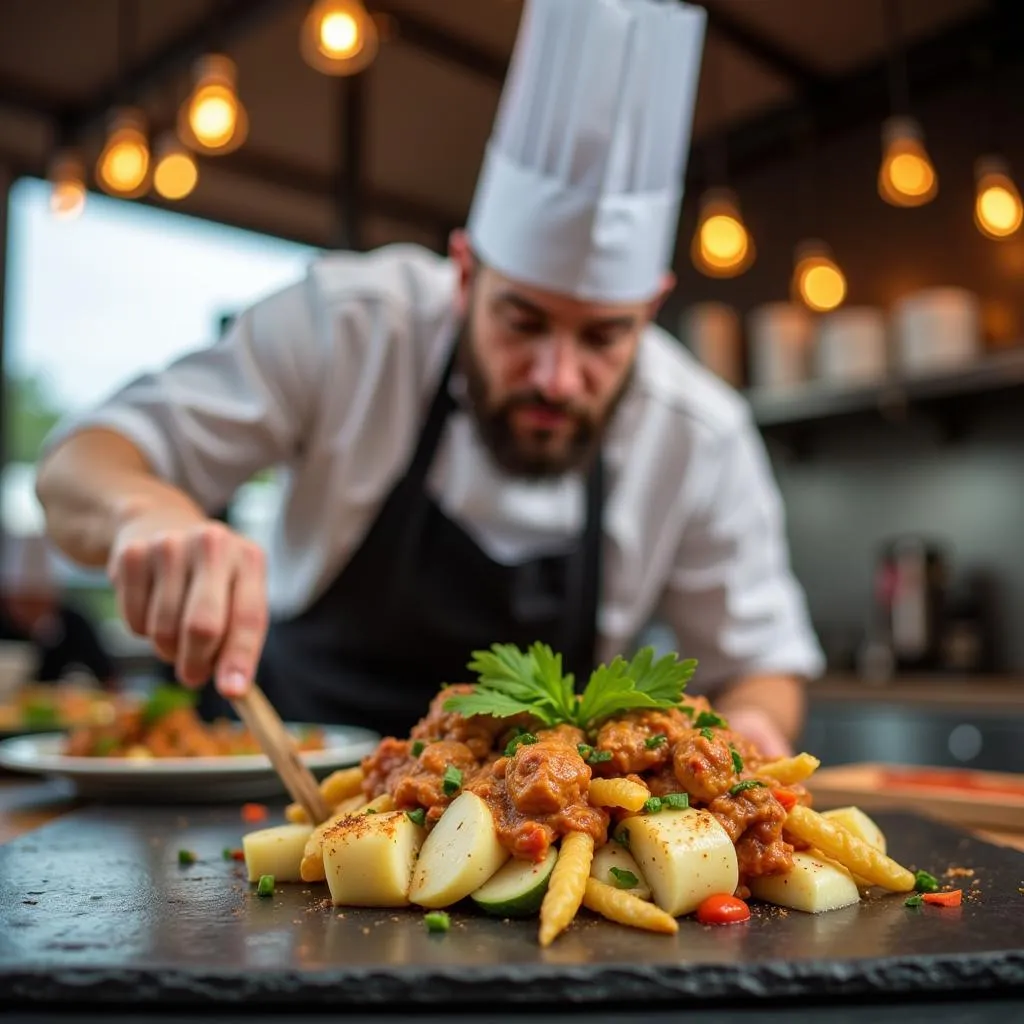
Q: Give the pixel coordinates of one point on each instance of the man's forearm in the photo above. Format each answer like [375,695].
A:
[781,698]
[94,483]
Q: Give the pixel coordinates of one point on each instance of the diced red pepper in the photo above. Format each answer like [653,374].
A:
[723,908]
[252,813]
[786,797]
[943,899]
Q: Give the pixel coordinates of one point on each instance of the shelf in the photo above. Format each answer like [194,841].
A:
[1002,694]
[818,401]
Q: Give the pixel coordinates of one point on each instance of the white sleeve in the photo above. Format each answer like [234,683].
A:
[731,598]
[211,419]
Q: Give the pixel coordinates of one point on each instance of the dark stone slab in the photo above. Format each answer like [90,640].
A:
[96,907]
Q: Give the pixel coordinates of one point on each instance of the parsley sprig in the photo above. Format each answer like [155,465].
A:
[512,682]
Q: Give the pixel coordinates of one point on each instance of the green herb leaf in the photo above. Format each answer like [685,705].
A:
[437,921]
[417,748]
[622,838]
[677,801]
[104,746]
[746,784]
[584,750]
[515,743]
[710,719]
[653,742]
[265,886]
[914,901]
[652,805]
[599,756]
[925,882]
[417,816]
[737,761]
[166,699]
[451,781]
[707,733]
[371,810]
[623,879]
[663,680]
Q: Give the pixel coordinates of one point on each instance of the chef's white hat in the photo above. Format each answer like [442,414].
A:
[583,175]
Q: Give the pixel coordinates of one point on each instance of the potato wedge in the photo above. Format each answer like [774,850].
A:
[854,820]
[275,851]
[612,855]
[814,885]
[460,854]
[684,855]
[369,859]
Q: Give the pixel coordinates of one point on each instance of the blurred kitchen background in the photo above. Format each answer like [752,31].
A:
[850,256]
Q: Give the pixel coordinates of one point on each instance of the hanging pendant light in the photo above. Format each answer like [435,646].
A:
[213,120]
[339,37]
[906,176]
[817,280]
[175,173]
[67,179]
[122,169]
[998,211]
[722,245]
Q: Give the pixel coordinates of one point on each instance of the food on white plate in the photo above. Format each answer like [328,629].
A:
[519,797]
[369,858]
[813,885]
[685,856]
[275,851]
[460,854]
[517,889]
[614,865]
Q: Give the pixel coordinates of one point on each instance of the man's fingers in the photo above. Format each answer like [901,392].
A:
[170,573]
[247,625]
[132,577]
[204,620]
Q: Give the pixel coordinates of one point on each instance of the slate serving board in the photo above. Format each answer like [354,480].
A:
[95,907]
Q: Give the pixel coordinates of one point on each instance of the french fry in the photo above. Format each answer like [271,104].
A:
[312,867]
[567,885]
[342,784]
[790,770]
[624,793]
[296,814]
[624,908]
[840,845]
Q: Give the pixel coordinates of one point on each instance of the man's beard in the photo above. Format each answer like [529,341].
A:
[542,454]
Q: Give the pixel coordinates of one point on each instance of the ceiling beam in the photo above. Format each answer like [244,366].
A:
[777,59]
[230,19]
[941,61]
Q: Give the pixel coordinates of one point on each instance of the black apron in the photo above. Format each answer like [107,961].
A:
[417,598]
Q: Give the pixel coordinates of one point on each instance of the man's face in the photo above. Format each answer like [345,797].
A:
[545,372]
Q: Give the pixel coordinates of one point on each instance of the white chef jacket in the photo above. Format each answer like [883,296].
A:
[330,379]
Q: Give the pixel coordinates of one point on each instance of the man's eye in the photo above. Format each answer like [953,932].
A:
[600,339]
[526,327]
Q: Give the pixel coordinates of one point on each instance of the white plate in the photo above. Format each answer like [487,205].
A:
[181,779]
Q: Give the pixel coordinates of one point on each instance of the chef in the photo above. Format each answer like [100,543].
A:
[499,445]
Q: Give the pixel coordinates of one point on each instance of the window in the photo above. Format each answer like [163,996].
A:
[92,302]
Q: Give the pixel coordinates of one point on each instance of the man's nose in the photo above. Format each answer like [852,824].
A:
[556,371]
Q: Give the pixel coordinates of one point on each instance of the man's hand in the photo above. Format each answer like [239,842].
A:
[197,590]
[768,710]
[760,728]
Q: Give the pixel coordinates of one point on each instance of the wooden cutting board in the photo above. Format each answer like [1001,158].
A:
[988,800]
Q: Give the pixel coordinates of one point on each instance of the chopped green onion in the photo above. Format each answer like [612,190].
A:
[745,785]
[652,805]
[451,781]
[624,879]
[677,801]
[186,857]
[371,810]
[737,761]
[584,750]
[925,882]
[707,733]
[437,921]
[688,709]
[622,838]
[417,748]
[104,746]
[597,756]
[226,853]
[914,901]
[653,742]
[265,886]
[514,744]
[418,816]
[709,718]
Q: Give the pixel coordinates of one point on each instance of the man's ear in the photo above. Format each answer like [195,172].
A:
[668,283]
[461,255]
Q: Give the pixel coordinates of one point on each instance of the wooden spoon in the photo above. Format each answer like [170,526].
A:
[260,718]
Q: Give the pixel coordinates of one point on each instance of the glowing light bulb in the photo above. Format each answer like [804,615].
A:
[339,37]
[212,119]
[123,166]
[906,176]
[998,211]
[722,246]
[817,280]
[67,194]
[175,174]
